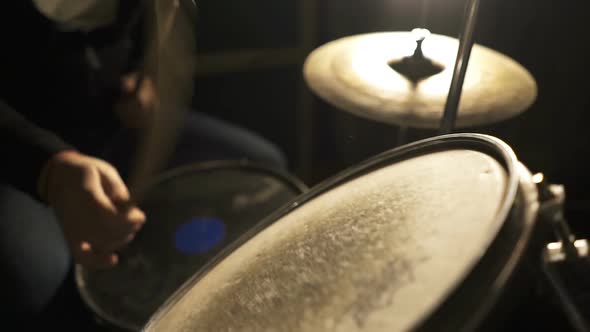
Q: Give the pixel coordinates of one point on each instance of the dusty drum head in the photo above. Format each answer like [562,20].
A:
[192,213]
[378,248]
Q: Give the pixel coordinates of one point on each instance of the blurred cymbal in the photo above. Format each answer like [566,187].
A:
[356,74]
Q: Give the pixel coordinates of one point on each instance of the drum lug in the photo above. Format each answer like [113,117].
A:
[554,251]
[567,247]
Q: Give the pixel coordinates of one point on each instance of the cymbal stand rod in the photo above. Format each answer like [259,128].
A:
[424,12]
[463,54]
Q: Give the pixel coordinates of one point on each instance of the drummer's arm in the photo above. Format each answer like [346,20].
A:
[88,196]
[26,149]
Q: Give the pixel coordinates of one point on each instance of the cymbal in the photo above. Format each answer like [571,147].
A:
[356,74]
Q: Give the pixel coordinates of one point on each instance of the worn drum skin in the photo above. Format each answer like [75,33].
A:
[421,237]
[192,214]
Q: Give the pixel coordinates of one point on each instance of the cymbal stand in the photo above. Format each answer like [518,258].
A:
[463,54]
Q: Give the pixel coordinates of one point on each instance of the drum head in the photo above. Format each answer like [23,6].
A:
[378,248]
[192,213]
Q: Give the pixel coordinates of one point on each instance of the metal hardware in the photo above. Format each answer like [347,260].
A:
[561,255]
[552,200]
[466,42]
[554,251]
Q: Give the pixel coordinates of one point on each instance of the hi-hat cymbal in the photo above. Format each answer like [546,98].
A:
[356,74]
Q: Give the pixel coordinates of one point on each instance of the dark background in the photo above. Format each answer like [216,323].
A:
[549,38]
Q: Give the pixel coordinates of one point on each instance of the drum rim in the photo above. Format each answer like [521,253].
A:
[221,164]
[288,179]
[478,142]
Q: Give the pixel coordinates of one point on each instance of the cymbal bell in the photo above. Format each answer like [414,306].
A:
[369,75]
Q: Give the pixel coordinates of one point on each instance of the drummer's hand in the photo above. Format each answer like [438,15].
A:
[93,205]
[138,101]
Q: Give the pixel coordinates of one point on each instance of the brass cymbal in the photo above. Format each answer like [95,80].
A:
[356,74]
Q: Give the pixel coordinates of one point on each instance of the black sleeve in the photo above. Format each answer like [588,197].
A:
[24,148]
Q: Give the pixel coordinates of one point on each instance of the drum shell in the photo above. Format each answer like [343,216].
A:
[527,301]
[521,296]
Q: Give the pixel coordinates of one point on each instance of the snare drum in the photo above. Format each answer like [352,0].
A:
[425,237]
[192,213]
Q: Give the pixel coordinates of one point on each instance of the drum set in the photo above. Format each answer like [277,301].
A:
[449,233]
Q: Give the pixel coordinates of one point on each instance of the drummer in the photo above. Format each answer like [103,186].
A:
[64,73]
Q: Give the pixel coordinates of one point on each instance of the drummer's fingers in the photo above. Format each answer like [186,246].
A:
[113,245]
[132,217]
[85,256]
[117,227]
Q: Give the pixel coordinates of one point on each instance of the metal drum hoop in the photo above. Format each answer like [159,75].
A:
[289,180]
[483,286]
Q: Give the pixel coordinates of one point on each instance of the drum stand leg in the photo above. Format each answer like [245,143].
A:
[567,254]
[570,309]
